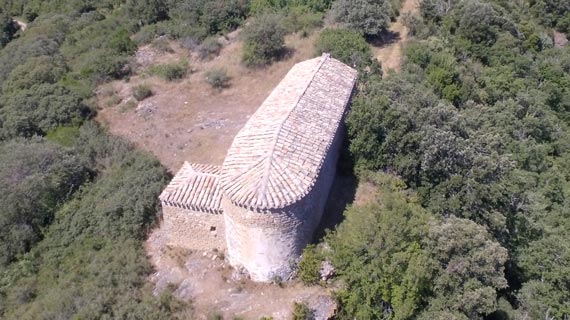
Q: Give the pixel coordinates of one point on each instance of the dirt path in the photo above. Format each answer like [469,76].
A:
[390,52]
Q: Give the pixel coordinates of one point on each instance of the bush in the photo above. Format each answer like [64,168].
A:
[146,11]
[213,16]
[368,16]
[260,6]
[147,34]
[142,92]
[309,266]
[345,45]
[64,136]
[264,40]
[563,24]
[39,109]
[210,48]
[36,178]
[302,312]
[122,43]
[170,71]
[223,16]
[37,70]
[218,78]
[301,18]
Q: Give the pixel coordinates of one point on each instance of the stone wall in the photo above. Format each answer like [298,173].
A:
[268,244]
[193,230]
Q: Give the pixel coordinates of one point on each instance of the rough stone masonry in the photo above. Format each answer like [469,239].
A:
[264,203]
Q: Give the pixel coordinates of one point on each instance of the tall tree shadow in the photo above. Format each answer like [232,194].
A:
[384,38]
[341,195]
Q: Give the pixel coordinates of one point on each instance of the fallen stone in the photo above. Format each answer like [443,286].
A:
[326,271]
[324,308]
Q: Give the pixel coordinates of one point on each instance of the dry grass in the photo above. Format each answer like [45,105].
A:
[193,121]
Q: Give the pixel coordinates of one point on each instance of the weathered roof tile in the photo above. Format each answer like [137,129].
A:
[196,187]
[277,156]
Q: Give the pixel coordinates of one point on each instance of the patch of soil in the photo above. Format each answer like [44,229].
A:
[205,278]
[389,49]
[188,119]
[560,39]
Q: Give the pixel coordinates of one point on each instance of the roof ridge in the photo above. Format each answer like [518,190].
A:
[277,156]
[193,188]
[194,167]
[267,170]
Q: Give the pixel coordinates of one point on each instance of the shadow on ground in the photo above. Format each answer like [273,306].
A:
[384,38]
[342,194]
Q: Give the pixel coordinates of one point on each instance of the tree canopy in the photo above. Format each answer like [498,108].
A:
[475,131]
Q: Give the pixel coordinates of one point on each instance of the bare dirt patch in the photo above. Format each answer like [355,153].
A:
[389,51]
[188,120]
[560,39]
[215,288]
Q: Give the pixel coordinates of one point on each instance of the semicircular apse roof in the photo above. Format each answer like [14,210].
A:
[277,156]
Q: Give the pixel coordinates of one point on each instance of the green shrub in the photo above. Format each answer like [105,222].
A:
[218,78]
[223,15]
[39,109]
[309,266]
[64,136]
[264,40]
[36,178]
[122,43]
[260,6]
[170,71]
[345,45]
[419,54]
[210,48]
[302,312]
[146,11]
[147,34]
[37,70]
[367,16]
[142,92]
[301,18]
[212,16]
[563,24]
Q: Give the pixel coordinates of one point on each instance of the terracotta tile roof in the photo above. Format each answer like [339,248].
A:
[195,187]
[276,157]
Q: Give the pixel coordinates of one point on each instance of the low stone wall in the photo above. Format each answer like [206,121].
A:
[193,230]
[268,244]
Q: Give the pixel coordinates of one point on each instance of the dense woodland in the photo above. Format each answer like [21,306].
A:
[468,148]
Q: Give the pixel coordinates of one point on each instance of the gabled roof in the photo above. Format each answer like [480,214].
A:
[195,187]
[276,157]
